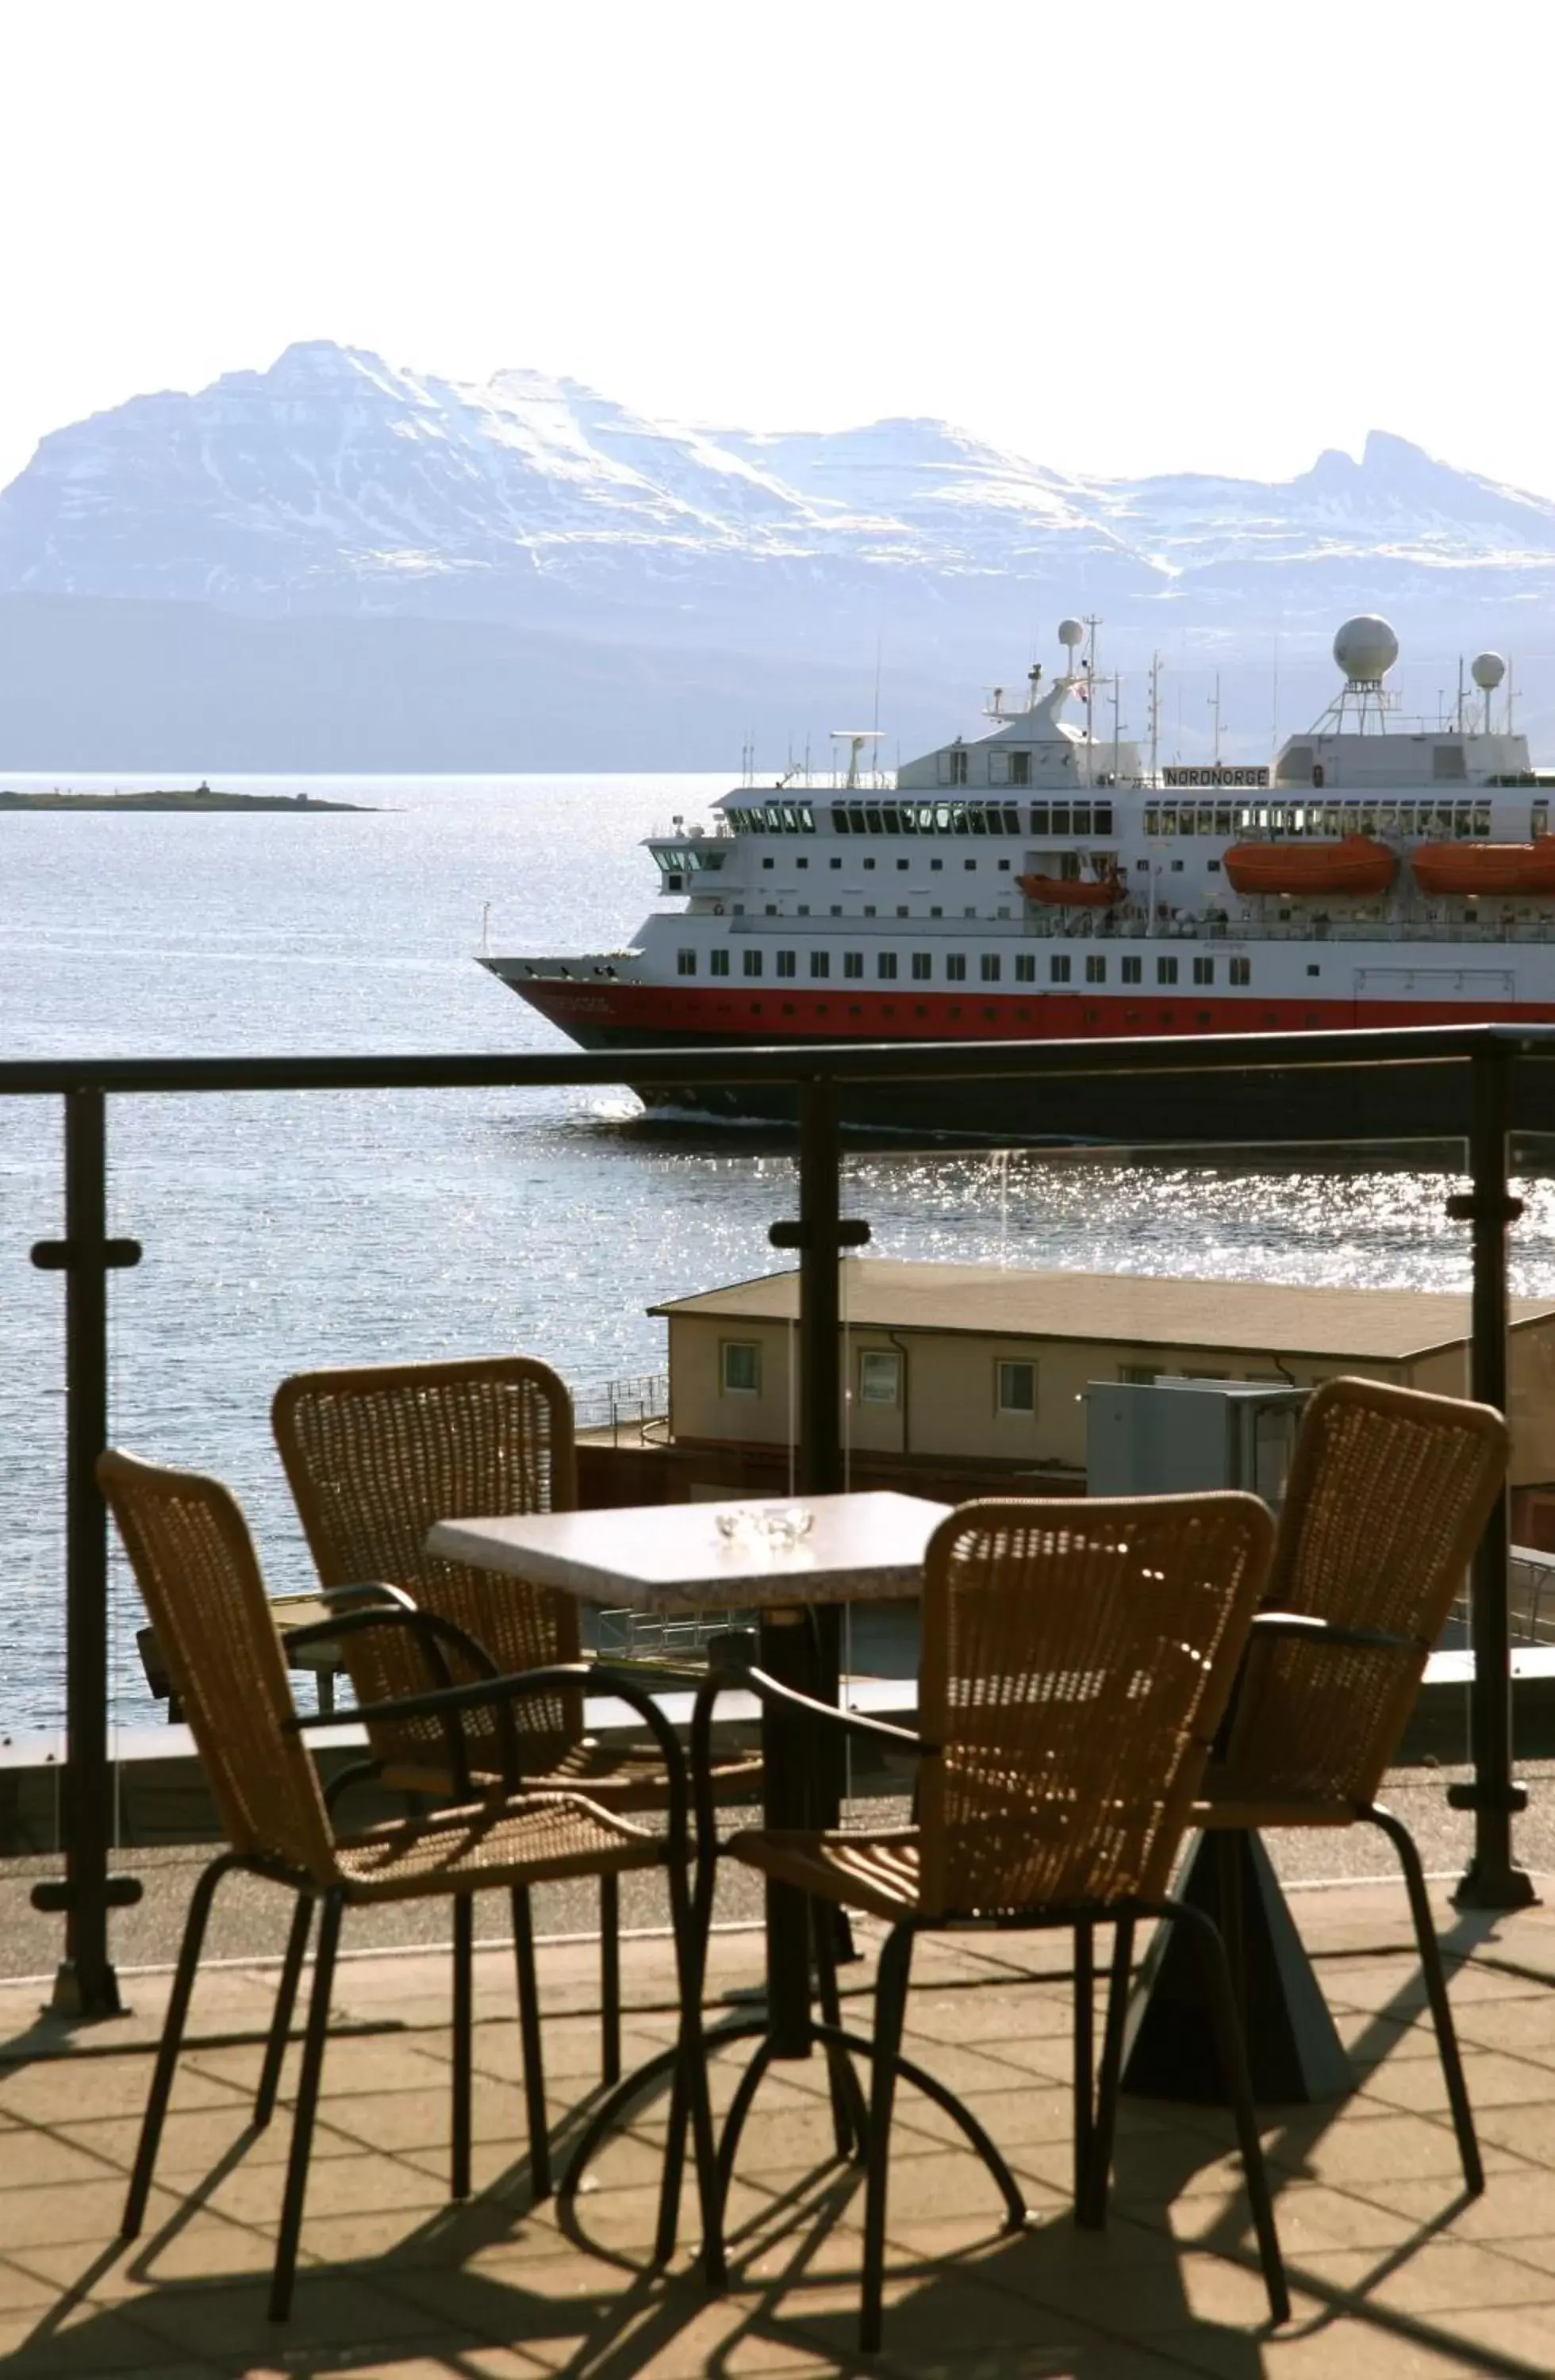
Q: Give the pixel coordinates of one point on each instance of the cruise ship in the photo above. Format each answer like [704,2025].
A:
[1040,883]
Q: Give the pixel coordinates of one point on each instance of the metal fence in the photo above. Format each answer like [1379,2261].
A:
[1495,1057]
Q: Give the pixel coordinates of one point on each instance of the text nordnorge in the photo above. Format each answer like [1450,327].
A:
[1251,780]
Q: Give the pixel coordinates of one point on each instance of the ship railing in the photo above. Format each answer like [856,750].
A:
[1495,1060]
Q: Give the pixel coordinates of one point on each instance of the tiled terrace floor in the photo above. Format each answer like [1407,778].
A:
[1393,2273]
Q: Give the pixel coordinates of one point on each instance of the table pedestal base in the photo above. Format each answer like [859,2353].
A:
[1293,2053]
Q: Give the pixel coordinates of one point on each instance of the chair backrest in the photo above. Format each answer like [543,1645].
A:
[1388,1496]
[195,1565]
[1078,1657]
[374,1456]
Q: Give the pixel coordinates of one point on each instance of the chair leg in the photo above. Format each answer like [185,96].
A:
[1435,1994]
[689,2098]
[1091,2207]
[610,1978]
[464,2021]
[1233,2065]
[285,2004]
[1084,2022]
[172,2040]
[891,2009]
[850,2120]
[332,1911]
[528,2027]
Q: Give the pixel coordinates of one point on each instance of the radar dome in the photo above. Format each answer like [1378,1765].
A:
[1366,648]
[1486,671]
[1071,633]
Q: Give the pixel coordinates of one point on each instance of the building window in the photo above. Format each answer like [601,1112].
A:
[752,962]
[1166,970]
[1058,969]
[853,963]
[740,1367]
[1015,1388]
[880,1376]
[820,962]
[990,967]
[718,963]
[1140,1376]
[1242,970]
[1132,970]
[1204,970]
[1096,970]
[788,963]
[923,966]
[955,968]
[1025,968]
[686,962]
[885,965]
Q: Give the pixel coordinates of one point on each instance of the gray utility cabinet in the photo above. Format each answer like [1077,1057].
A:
[1175,1436]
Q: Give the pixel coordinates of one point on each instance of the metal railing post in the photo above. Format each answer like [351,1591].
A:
[85,1984]
[1491,1880]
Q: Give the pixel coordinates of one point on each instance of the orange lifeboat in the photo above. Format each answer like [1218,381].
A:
[1356,865]
[1074,892]
[1503,868]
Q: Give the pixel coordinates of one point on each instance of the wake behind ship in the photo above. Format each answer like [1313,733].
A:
[1037,883]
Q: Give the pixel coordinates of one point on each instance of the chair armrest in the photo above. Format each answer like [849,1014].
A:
[773,1694]
[1305,1628]
[433,1633]
[378,1590]
[499,1694]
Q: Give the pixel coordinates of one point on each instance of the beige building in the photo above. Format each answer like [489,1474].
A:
[988,1365]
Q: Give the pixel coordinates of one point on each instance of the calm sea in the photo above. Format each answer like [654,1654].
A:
[286,1232]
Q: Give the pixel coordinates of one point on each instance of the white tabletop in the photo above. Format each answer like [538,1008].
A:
[674,1557]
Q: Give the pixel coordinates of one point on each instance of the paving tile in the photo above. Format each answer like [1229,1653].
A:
[1352,2149]
[1326,2347]
[86,2339]
[1499,2082]
[203,2248]
[326,2310]
[62,2088]
[65,2212]
[1428,2278]
[1518,2202]
[1525,2027]
[1310,2218]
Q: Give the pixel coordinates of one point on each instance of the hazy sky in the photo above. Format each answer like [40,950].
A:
[1128,235]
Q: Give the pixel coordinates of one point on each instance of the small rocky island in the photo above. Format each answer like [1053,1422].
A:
[202,797]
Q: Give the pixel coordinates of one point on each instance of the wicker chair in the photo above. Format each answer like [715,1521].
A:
[1388,1494]
[374,1456]
[197,1571]
[1076,1660]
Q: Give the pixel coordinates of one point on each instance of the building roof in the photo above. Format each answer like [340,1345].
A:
[1133,1309]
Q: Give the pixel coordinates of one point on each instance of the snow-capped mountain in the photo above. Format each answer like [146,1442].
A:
[336,486]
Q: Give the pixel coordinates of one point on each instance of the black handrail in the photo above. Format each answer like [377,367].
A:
[86,1983]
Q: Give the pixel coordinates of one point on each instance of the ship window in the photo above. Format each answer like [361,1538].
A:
[1039,817]
[807,818]
[936,867]
[1406,818]
[1312,970]
[1015,1388]
[788,963]
[740,1360]
[869,862]
[686,962]
[1061,819]
[885,965]
[718,963]
[990,967]
[1081,819]
[958,817]
[1096,970]
[1003,869]
[1103,818]
[1020,773]
[936,911]
[955,968]
[821,964]
[868,908]
[999,768]
[942,818]
[1058,969]
[768,863]
[902,864]
[1482,817]
[803,909]
[1242,970]
[853,963]
[752,962]
[771,910]
[872,819]
[1025,968]
[968,865]
[955,773]
[891,817]
[1176,868]
[1168,818]
[923,967]
[1186,819]
[1464,823]
[1204,970]
[836,863]
[790,817]
[1223,821]
[1447,764]
[1166,970]
[1152,822]
[803,861]
[1132,970]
